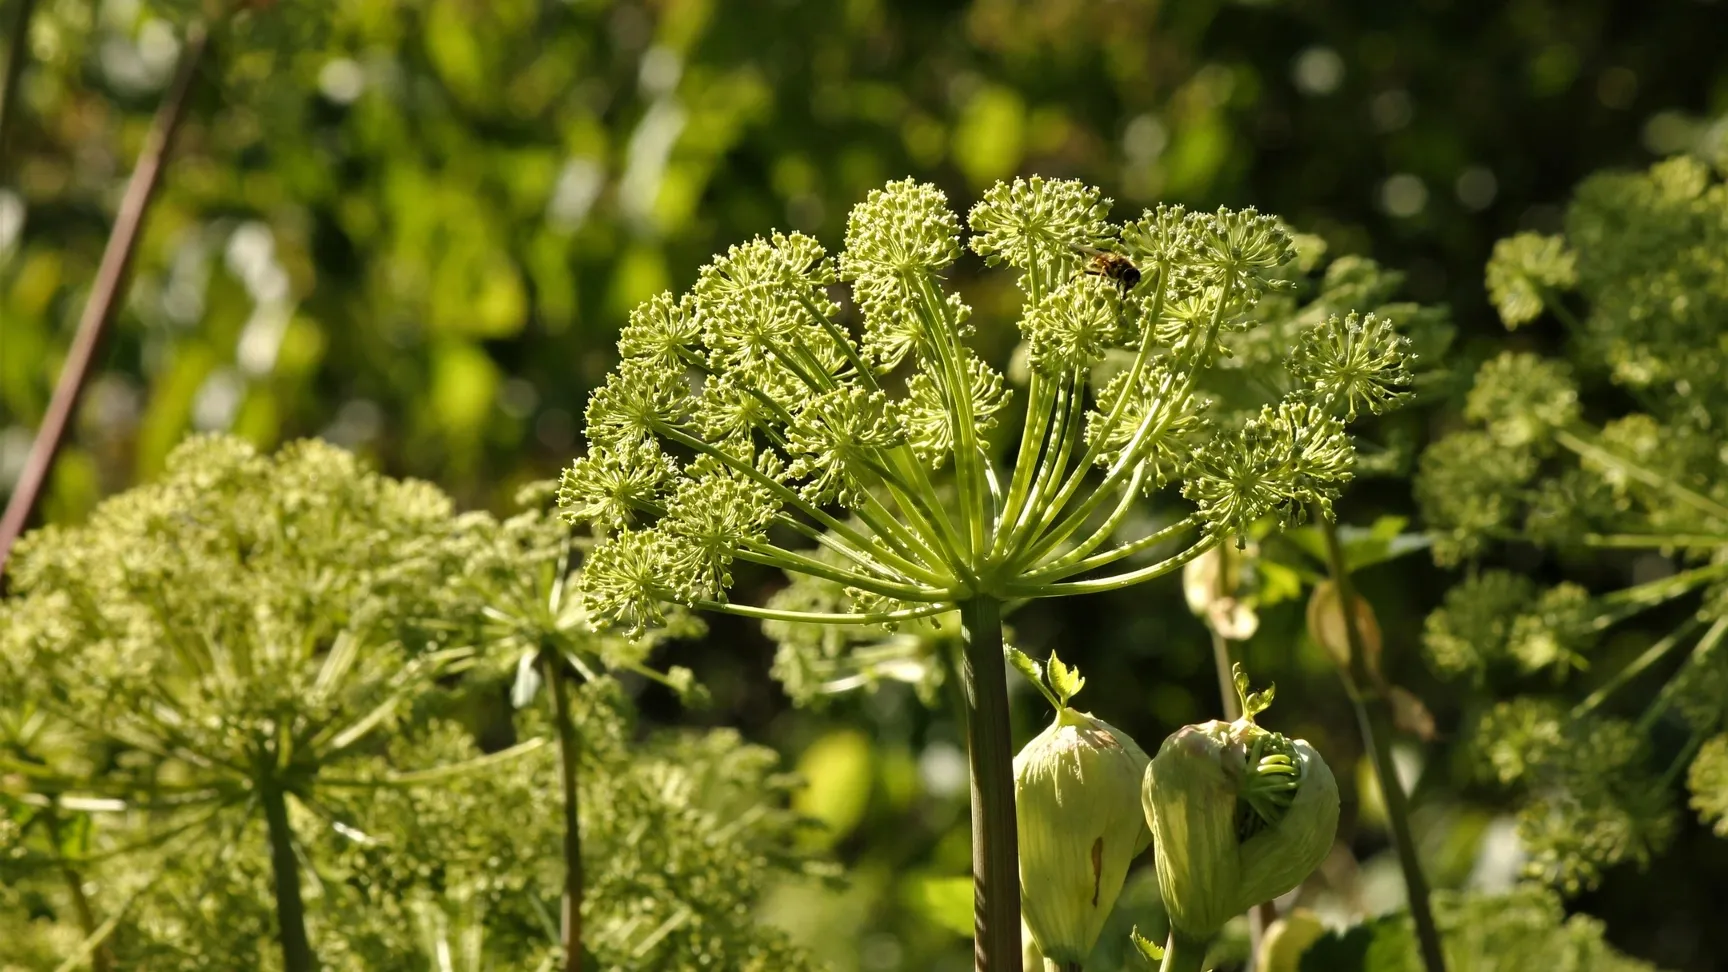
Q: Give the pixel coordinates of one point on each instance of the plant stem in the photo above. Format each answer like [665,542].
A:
[1183,954]
[105,294]
[102,959]
[1262,915]
[297,953]
[990,749]
[1636,667]
[1374,716]
[17,51]
[569,753]
[1226,683]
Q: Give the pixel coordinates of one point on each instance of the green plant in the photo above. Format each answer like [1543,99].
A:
[1239,815]
[1613,458]
[1225,587]
[519,584]
[681,832]
[233,635]
[229,737]
[746,421]
[1524,929]
[1076,789]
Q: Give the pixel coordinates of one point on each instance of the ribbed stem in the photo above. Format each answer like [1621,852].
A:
[990,749]
[569,754]
[297,953]
[1183,954]
[1374,715]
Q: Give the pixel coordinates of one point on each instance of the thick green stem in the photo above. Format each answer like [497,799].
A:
[1183,954]
[297,953]
[990,748]
[569,755]
[1374,716]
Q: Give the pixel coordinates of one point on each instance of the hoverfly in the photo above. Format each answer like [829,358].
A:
[1108,263]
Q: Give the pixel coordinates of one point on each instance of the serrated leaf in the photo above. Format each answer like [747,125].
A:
[1033,669]
[1149,950]
[1026,665]
[1253,703]
[1067,682]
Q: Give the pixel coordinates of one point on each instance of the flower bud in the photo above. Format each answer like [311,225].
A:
[1239,816]
[1074,790]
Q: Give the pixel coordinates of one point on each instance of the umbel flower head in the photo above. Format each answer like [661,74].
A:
[756,419]
[1075,789]
[1617,445]
[1239,815]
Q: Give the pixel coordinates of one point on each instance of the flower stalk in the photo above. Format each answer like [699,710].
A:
[569,765]
[297,954]
[1374,717]
[989,746]
[101,957]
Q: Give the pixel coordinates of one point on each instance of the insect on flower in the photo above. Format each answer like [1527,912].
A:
[1108,263]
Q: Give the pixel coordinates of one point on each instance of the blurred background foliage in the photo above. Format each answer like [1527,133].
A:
[413,227]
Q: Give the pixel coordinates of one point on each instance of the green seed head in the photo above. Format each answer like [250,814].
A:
[1074,788]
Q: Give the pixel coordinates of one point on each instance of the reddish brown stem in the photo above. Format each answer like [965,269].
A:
[105,294]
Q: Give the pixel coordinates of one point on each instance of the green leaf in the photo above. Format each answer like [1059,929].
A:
[1278,583]
[1033,669]
[1065,680]
[1363,546]
[1253,703]
[1149,950]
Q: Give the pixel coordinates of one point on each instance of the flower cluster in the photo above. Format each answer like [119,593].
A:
[1527,928]
[1553,455]
[297,623]
[750,421]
